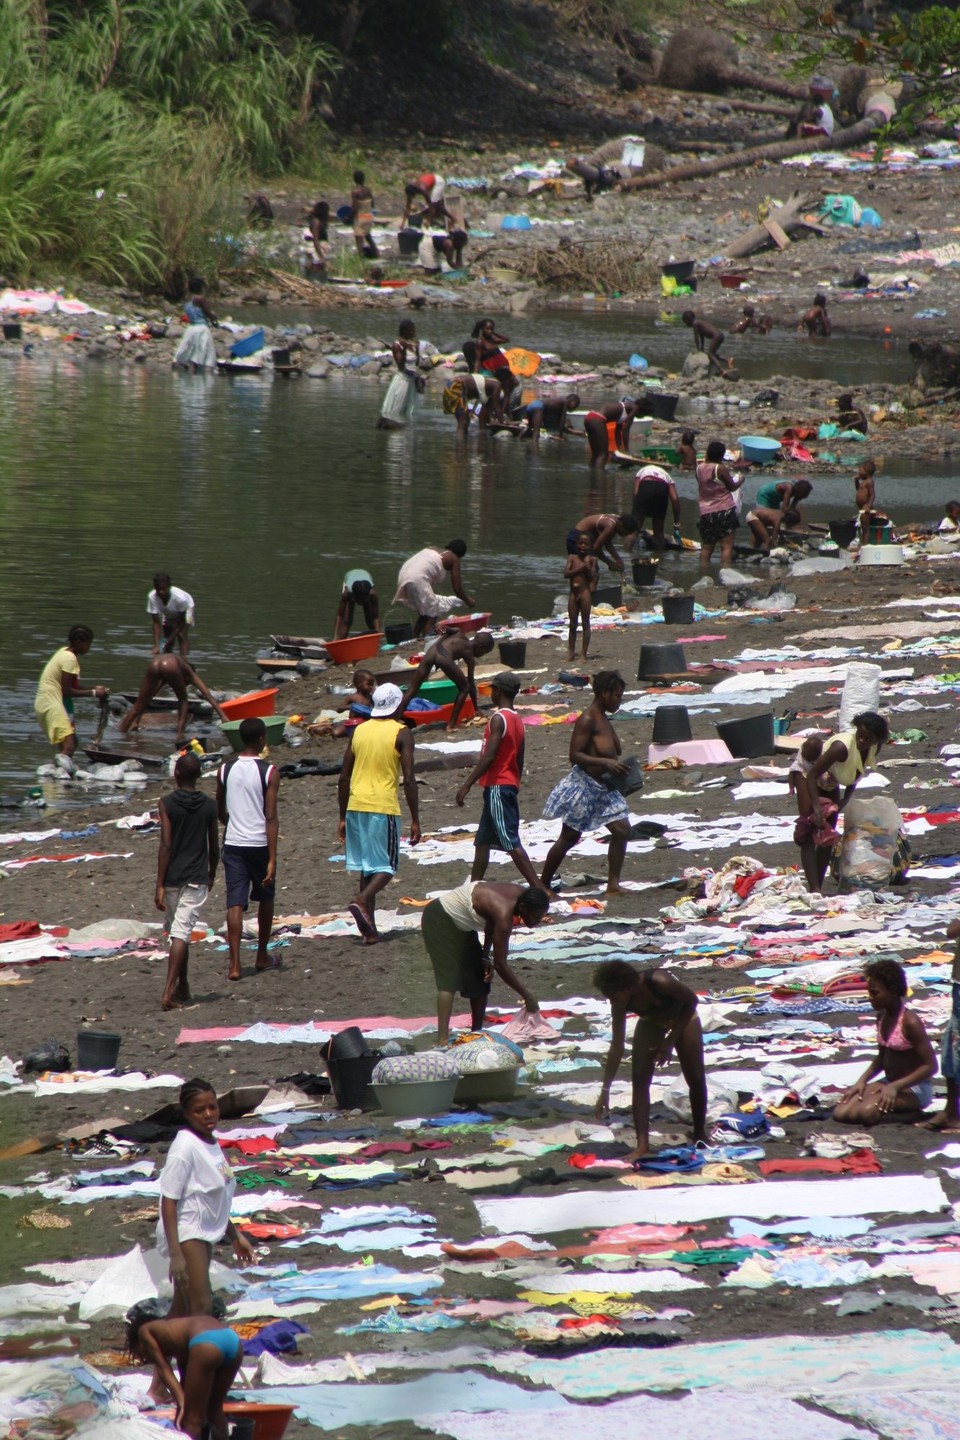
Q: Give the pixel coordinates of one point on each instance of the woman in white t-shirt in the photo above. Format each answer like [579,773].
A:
[196,1191]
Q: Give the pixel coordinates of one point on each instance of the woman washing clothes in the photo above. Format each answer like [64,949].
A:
[905,1057]
[400,401]
[208,1356]
[608,429]
[818,774]
[196,350]
[719,516]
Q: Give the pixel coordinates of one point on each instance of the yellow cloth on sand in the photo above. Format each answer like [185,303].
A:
[49,706]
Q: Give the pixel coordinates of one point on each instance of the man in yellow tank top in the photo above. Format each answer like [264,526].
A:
[369,797]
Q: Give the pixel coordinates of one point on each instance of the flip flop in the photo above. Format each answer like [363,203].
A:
[362,921]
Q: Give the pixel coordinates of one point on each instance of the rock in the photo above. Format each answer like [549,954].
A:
[311,343]
[319,371]
[696,366]
[706,582]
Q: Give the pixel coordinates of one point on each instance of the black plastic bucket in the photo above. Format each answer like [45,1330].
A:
[347,1045]
[350,1081]
[671,723]
[644,573]
[513,653]
[243,1429]
[843,532]
[661,660]
[678,609]
[97,1049]
[12,330]
[281,359]
[608,595]
[398,634]
[680,270]
[750,737]
[660,406]
[408,241]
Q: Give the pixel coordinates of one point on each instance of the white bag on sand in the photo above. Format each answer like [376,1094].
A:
[861,691]
[870,830]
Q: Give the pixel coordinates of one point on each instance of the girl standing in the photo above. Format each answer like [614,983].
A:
[58,687]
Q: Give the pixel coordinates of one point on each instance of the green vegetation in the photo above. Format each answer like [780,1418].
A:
[126,126]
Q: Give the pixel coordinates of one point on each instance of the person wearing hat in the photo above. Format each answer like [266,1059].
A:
[369,797]
[498,773]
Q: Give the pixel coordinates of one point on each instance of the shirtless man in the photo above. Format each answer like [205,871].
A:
[668,1020]
[601,530]
[866,495]
[582,800]
[582,571]
[178,673]
[707,338]
[445,655]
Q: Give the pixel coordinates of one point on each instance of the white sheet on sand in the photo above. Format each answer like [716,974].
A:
[720,1415]
[778,1364]
[861,1195]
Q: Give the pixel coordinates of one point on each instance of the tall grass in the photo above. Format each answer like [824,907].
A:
[126,125]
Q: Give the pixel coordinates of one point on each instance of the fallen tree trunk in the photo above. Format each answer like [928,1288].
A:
[783,150]
[788,217]
[703,60]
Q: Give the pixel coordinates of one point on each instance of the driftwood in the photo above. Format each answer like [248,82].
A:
[787,219]
[783,150]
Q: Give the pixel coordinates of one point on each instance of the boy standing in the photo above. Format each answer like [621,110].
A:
[583,572]
[498,772]
[172,612]
[186,866]
[247,789]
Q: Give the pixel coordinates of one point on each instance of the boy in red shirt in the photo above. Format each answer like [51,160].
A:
[498,772]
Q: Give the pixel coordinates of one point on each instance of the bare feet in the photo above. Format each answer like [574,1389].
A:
[231,975]
[362,920]
[616,890]
[266,962]
[943,1123]
[166,1004]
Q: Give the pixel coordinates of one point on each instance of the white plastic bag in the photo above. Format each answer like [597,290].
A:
[861,691]
[870,830]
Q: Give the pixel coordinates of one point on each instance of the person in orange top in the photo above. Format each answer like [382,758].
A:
[498,772]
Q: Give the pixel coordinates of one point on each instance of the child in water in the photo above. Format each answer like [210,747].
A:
[904,1056]
[582,571]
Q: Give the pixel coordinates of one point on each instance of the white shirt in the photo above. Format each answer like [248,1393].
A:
[198,1177]
[178,603]
[246,823]
[459,906]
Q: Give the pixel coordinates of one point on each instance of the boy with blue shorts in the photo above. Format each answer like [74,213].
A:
[498,772]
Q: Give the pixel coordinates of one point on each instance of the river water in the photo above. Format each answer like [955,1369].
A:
[256,494]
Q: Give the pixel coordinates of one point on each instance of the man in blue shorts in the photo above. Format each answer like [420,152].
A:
[247,789]
[498,772]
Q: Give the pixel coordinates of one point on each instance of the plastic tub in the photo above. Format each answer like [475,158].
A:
[466,624]
[644,573]
[355,647]
[409,1098]
[661,660]
[515,222]
[677,609]
[256,703]
[749,737]
[248,345]
[97,1049]
[759,449]
[442,716]
[486,1085]
[505,274]
[670,723]
[608,595]
[733,280]
[441,692]
[513,653]
[881,555]
[843,532]
[269,1421]
[275,725]
[659,405]
[398,634]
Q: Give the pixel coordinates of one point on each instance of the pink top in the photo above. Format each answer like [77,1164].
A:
[714,495]
[896,1040]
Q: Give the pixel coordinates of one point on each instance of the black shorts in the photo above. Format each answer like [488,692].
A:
[244,867]
[500,820]
[717,525]
[650,500]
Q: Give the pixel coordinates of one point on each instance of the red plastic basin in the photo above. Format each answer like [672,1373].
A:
[255,704]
